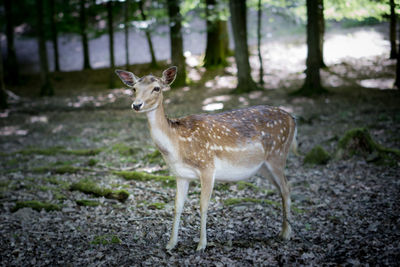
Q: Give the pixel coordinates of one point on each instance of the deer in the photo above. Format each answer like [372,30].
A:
[228,147]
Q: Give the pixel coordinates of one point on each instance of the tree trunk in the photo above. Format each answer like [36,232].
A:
[54,34]
[238,19]
[217,34]
[126,31]
[85,43]
[148,36]
[397,82]
[46,87]
[312,84]
[111,41]
[259,18]
[393,51]
[3,94]
[175,25]
[321,21]
[11,62]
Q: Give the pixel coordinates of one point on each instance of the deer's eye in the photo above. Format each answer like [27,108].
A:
[156,89]
[134,89]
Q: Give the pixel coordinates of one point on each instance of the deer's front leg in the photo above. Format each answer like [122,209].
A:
[207,184]
[182,186]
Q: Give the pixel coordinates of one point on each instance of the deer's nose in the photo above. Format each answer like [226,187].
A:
[137,106]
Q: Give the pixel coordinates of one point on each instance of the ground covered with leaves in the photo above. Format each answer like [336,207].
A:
[82,184]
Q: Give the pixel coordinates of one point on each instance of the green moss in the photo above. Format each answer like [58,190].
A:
[143,176]
[222,186]
[318,156]
[51,151]
[156,206]
[89,187]
[123,149]
[92,162]
[59,196]
[60,183]
[87,203]
[83,152]
[236,201]
[154,158]
[106,240]
[297,210]
[241,185]
[58,170]
[358,141]
[4,183]
[36,205]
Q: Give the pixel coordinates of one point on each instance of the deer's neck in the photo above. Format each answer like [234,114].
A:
[160,130]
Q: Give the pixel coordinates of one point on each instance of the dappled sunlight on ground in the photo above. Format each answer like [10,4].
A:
[358,44]
[284,60]
[13,130]
[221,82]
[382,84]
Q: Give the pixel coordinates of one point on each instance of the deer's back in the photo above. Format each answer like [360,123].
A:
[237,136]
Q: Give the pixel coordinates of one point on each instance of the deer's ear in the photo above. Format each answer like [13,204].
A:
[127,77]
[169,75]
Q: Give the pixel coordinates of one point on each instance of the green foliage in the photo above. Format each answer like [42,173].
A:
[143,176]
[317,155]
[90,187]
[355,9]
[36,205]
[106,240]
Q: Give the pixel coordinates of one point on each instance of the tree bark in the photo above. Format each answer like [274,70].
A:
[312,84]
[393,51]
[148,36]
[126,31]
[321,21]
[175,25]
[217,34]
[259,18]
[238,19]
[46,86]
[3,94]
[11,62]
[85,42]
[111,41]
[397,81]
[54,34]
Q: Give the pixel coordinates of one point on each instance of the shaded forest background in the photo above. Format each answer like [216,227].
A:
[82,183]
[54,23]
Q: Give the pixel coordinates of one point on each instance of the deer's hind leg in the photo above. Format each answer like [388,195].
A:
[275,173]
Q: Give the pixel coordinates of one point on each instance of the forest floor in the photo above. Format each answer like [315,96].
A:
[346,212]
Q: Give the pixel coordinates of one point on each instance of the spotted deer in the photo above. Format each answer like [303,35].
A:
[229,146]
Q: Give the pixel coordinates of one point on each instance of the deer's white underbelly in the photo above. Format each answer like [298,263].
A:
[226,171]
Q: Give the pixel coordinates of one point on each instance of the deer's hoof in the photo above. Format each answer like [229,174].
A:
[201,246]
[170,245]
[285,233]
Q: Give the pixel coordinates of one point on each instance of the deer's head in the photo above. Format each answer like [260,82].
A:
[148,89]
